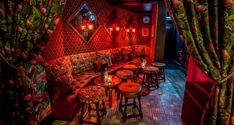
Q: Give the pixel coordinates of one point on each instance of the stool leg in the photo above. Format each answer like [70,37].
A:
[89,108]
[134,103]
[104,107]
[110,97]
[139,101]
[120,103]
[125,109]
[82,113]
[98,116]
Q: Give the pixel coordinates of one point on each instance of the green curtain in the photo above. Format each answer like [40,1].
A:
[25,26]
[207,29]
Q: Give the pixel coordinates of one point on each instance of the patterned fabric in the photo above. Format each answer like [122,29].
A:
[92,94]
[84,78]
[25,27]
[57,67]
[206,27]
[124,74]
[82,62]
[32,76]
[106,56]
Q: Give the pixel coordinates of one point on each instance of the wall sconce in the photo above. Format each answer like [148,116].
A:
[130,26]
[132,30]
[114,24]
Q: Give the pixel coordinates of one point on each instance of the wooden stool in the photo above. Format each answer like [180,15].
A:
[92,95]
[130,90]
[161,74]
[150,76]
[125,74]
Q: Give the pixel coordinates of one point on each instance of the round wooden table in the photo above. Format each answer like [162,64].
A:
[134,68]
[108,86]
[125,74]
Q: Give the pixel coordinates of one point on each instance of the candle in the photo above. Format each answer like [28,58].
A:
[109,78]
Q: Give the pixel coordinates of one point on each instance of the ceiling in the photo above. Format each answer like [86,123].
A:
[138,6]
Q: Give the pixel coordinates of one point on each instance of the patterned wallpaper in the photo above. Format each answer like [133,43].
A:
[65,41]
[55,45]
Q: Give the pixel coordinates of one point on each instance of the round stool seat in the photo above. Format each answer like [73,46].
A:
[124,74]
[158,64]
[130,89]
[150,69]
[92,94]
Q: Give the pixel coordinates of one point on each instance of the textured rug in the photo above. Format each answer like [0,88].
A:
[161,106]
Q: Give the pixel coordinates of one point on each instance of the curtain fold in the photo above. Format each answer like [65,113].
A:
[207,29]
[25,27]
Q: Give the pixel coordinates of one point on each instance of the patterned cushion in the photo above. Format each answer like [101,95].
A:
[57,67]
[82,62]
[92,94]
[106,56]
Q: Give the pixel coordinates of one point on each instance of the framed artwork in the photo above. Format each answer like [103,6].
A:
[84,22]
[145,32]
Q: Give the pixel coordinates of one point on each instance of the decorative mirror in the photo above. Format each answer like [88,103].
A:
[84,22]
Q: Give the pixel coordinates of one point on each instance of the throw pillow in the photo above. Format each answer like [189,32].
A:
[97,64]
[106,57]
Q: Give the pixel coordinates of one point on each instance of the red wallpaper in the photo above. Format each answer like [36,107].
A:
[65,41]
[55,45]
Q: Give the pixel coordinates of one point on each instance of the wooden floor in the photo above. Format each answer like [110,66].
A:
[161,107]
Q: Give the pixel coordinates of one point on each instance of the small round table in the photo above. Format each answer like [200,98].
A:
[161,70]
[150,76]
[125,74]
[108,86]
[132,67]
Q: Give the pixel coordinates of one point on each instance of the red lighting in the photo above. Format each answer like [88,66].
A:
[117,28]
[127,30]
[83,27]
[133,30]
[90,26]
[111,29]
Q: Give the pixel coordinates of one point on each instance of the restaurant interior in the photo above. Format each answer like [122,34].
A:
[116,62]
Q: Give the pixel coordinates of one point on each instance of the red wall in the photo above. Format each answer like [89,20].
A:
[65,41]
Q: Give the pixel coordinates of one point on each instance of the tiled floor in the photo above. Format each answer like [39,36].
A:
[161,107]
